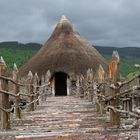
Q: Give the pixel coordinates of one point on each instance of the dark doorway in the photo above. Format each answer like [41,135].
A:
[60,84]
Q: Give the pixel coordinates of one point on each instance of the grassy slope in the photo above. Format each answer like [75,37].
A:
[14,52]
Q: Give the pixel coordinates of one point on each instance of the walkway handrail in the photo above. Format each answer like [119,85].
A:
[34,93]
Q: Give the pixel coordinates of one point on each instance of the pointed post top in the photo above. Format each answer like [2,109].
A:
[101,68]
[15,67]
[88,71]
[35,78]
[101,74]
[137,65]
[48,73]
[89,74]
[91,70]
[114,73]
[115,56]
[15,73]
[36,75]
[30,74]
[2,60]
[47,76]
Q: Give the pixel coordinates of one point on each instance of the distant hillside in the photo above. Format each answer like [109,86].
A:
[126,52]
[17,45]
[21,53]
[128,57]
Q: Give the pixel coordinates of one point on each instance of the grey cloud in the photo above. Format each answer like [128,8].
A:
[101,22]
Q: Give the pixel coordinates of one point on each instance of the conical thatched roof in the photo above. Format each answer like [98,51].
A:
[65,51]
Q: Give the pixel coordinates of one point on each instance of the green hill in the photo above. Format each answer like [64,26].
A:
[19,53]
[128,57]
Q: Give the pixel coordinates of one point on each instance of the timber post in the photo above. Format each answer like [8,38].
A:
[81,84]
[43,96]
[36,83]
[77,86]
[30,90]
[16,88]
[114,76]
[47,79]
[90,84]
[5,116]
[101,80]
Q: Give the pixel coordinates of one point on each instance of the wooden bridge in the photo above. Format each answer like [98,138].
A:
[65,118]
[61,118]
[99,108]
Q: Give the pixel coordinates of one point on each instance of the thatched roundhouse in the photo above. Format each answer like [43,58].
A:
[65,54]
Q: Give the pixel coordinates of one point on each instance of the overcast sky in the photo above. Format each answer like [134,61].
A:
[101,22]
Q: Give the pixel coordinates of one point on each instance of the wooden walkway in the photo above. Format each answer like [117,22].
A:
[61,118]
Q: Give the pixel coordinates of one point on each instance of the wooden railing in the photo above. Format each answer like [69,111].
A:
[109,94]
[11,100]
